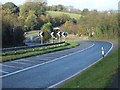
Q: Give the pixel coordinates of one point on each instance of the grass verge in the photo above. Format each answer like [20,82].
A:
[98,76]
[7,56]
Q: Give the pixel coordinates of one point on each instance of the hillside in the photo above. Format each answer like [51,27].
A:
[57,13]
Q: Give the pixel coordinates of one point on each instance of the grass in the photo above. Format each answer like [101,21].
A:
[57,13]
[32,34]
[99,75]
[116,39]
[12,55]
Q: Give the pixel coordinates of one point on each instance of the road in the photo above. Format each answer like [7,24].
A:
[49,70]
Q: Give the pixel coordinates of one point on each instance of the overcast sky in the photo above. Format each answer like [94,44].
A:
[81,4]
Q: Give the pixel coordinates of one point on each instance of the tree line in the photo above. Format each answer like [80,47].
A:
[33,16]
[103,24]
[29,16]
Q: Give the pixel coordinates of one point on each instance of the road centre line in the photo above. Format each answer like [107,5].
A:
[46,62]
[53,86]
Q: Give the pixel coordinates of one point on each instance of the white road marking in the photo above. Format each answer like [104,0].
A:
[46,62]
[37,56]
[20,62]
[52,86]
[43,58]
[3,71]
[11,66]
[26,60]
[46,57]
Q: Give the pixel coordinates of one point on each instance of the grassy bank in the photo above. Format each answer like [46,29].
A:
[98,76]
[12,55]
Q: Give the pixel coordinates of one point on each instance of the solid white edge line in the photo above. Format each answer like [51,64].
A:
[53,86]
[45,62]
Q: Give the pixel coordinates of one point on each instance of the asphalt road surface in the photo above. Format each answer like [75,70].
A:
[49,70]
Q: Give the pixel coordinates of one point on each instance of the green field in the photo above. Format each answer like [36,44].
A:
[31,34]
[57,13]
[99,75]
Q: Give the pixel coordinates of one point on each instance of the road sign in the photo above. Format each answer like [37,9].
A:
[58,33]
[66,34]
[52,34]
[63,34]
[41,34]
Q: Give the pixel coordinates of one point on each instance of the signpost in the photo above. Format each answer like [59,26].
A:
[63,35]
[41,36]
[58,35]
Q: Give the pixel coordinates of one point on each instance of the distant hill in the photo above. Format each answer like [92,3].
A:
[57,13]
